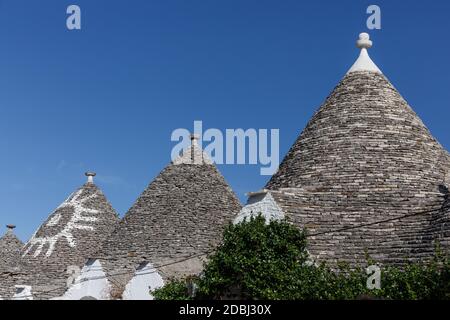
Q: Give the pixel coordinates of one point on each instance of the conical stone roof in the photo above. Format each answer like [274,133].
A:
[180,215]
[69,236]
[364,157]
[10,270]
[365,131]
[10,247]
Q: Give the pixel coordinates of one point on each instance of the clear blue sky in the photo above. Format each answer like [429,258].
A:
[107,98]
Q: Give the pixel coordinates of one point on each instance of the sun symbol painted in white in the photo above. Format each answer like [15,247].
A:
[69,216]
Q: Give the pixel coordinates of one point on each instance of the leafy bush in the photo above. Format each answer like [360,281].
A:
[269,261]
[174,290]
[429,281]
[255,261]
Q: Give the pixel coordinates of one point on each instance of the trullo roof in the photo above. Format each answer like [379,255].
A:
[179,216]
[69,236]
[364,175]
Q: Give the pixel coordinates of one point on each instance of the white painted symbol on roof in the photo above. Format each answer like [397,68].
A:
[79,219]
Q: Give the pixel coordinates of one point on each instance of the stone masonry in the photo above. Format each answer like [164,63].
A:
[70,235]
[10,247]
[364,157]
[180,215]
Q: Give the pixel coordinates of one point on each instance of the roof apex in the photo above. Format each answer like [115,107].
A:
[193,154]
[90,176]
[364,62]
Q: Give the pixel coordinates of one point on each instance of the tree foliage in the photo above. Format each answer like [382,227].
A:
[270,261]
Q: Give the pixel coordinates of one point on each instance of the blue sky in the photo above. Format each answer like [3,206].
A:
[108,97]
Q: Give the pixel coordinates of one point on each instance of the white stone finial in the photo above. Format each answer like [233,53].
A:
[364,41]
[195,137]
[90,176]
[364,63]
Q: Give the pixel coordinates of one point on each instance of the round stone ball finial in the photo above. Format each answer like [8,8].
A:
[364,41]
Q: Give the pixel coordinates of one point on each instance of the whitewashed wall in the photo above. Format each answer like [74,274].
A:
[91,283]
[23,293]
[145,280]
[263,204]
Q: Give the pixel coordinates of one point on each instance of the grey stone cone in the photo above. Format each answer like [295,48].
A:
[10,247]
[180,215]
[364,157]
[69,236]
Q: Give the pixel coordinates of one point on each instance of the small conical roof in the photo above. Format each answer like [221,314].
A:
[364,157]
[70,235]
[10,247]
[180,214]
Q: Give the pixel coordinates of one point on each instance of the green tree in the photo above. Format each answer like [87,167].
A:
[257,260]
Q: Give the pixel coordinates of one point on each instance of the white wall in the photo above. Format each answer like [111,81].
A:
[92,282]
[144,281]
[263,204]
[23,293]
